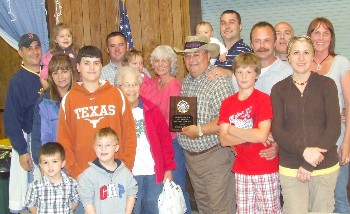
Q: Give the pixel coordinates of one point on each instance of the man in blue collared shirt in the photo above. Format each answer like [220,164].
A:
[117,46]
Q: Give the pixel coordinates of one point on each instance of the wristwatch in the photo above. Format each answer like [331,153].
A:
[200,133]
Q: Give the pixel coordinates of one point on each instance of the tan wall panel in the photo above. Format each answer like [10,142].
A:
[179,34]
[2,134]
[10,62]
[66,12]
[112,12]
[150,28]
[103,28]
[76,23]
[86,22]
[153,22]
[111,24]
[95,26]
[134,13]
[166,22]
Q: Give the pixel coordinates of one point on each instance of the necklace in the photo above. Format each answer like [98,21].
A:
[300,83]
[318,67]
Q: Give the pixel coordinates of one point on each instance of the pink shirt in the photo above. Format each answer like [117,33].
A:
[161,98]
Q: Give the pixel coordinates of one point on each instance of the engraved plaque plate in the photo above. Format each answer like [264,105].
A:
[183,112]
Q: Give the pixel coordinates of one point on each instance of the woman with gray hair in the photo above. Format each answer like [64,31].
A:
[164,85]
[154,153]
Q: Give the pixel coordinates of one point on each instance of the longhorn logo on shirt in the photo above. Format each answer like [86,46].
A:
[94,122]
[110,191]
[94,114]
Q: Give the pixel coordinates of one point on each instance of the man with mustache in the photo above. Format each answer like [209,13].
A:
[284,32]
[263,42]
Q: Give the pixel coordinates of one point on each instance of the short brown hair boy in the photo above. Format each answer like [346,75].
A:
[247,60]
[52,148]
[106,132]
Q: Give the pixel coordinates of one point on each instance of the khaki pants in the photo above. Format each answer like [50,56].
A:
[317,195]
[212,180]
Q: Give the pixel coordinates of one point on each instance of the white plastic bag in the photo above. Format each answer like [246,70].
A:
[171,200]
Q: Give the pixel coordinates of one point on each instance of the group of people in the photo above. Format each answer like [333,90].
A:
[271,119]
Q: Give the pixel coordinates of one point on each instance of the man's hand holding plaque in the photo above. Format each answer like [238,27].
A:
[190,131]
[183,112]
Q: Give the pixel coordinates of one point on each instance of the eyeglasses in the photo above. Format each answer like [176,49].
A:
[128,85]
[194,55]
[161,60]
[107,146]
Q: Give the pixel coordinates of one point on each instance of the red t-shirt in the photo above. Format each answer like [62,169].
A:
[248,114]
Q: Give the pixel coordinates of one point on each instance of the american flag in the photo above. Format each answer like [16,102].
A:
[124,26]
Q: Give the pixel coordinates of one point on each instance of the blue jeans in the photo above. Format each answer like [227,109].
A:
[341,194]
[179,174]
[80,208]
[147,194]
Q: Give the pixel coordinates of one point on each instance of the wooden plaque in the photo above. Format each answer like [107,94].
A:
[183,112]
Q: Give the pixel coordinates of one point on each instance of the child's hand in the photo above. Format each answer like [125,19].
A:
[222,57]
[168,175]
[44,83]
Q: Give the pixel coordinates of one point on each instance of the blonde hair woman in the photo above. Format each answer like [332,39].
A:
[306,125]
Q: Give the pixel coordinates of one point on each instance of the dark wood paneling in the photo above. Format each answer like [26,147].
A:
[153,22]
[10,62]
[134,13]
[76,22]
[86,22]
[196,14]
[2,134]
[103,27]
[166,23]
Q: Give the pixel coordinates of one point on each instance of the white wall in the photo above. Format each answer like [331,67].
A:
[298,13]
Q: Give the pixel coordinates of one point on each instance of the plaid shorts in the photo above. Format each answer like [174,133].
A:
[258,193]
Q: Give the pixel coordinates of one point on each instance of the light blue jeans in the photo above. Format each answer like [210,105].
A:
[147,194]
[179,174]
[341,193]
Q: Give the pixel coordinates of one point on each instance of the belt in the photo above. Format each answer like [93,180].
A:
[201,152]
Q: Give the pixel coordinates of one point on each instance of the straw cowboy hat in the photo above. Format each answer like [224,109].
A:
[194,43]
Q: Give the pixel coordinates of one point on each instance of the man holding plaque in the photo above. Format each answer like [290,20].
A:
[208,164]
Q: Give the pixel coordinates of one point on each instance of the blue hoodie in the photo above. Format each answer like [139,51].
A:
[45,121]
